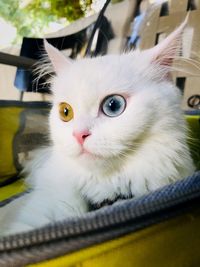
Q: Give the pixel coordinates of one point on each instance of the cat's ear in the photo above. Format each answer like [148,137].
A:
[164,53]
[57,59]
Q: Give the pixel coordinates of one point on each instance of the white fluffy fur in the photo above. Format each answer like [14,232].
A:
[139,151]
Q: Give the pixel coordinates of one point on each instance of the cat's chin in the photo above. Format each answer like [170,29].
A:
[88,158]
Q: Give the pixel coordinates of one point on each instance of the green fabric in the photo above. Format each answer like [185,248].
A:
[194,137]
[9,125]
[23,127]
[173,243]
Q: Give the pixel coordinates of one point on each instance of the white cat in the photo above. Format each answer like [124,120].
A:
[117,130]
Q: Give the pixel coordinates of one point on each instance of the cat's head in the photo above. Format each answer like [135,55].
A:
[105,107]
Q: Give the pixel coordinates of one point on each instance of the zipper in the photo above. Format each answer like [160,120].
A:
[114,220]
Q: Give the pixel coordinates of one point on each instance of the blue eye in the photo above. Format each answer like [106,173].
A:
[113,105]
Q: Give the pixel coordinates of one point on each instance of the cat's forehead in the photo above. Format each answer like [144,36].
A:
[94,77]
[87,82]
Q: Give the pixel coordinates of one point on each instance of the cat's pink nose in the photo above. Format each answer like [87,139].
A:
[81,135]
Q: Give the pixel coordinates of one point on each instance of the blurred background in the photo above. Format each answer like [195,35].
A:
[36,19]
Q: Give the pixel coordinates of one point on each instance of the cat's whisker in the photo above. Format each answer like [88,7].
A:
[68,206]
[43,69]
[192,62]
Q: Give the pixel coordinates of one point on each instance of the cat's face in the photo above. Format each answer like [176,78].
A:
[105,107]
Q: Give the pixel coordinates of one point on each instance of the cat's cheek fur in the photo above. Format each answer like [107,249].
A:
[62,134]
[110,139]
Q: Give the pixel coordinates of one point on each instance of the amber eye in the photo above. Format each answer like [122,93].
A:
[66,112]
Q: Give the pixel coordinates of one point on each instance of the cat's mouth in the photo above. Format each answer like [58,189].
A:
[88,154]
[84,151]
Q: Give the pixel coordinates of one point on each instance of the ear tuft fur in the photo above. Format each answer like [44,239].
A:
[164,53]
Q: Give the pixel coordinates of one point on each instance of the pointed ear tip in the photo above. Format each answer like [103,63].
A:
[46,44]
[185,22]
[48,47]
[187,16]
